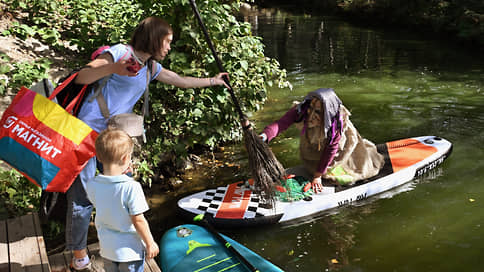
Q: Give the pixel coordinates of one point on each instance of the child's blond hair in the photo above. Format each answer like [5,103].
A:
[112,145]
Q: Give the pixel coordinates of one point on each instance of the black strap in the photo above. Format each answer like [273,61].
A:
[46,87]
[146,105]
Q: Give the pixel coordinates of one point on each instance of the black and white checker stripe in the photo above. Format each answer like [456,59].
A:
[213,199]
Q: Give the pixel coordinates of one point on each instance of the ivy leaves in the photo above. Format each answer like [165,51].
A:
[181,119]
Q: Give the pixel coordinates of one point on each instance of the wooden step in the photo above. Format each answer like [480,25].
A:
[60,262]
[22,246]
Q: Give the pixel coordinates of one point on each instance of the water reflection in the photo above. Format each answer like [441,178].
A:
[306,43]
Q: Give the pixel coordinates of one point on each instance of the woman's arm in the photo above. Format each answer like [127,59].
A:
[101,67]
[143,229]
[330,150]
[328,154]
[282,124]
[172,78]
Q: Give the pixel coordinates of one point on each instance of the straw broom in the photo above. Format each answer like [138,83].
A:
[265,168]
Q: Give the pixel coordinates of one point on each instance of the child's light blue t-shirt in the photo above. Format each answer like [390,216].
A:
[120,92]
[116,198]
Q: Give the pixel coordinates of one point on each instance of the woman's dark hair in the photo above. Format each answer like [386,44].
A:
[148,35]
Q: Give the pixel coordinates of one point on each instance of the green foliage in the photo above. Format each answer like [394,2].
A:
[22,73]
[17,194]
[181,119]
[26,73]
[86,24]
[146,173]
[22,31]
[4,69]
[95,23]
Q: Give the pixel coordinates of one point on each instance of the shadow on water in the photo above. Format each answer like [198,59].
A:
[396,85]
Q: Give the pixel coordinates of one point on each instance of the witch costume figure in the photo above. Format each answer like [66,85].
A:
[330,146]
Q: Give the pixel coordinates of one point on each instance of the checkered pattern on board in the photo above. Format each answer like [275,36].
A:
[213,199]
[254,209]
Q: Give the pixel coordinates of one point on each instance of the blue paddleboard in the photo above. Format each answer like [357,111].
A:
[193,248]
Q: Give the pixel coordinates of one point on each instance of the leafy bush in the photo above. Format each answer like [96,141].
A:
[85,24]
[181,119]
[17,194]
[21,73]
[27,73]
[4,69]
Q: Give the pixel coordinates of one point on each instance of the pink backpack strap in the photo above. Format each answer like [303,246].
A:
[129,51]
[98,51]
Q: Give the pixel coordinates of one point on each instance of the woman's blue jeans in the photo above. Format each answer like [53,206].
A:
[79,209]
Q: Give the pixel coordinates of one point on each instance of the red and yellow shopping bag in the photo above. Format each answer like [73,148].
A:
[44,142]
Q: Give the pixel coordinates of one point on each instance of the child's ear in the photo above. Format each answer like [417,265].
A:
[125,158]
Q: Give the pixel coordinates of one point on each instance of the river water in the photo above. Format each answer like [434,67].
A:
[397,84]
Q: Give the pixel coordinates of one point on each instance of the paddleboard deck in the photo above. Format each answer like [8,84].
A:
[193,248]
[235,205]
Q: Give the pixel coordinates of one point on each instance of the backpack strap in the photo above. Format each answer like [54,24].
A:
[100,87]
[146,105]
[103,106]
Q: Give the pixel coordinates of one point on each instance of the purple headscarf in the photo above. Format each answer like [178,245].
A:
[330,102]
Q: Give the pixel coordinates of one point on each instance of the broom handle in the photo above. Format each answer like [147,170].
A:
[217,59]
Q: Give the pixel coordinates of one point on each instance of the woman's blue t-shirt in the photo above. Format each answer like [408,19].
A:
[120,92]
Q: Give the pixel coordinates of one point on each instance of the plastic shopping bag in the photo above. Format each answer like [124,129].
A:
[45,142]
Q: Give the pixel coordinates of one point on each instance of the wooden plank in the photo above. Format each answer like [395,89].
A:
[68,258]
[58,263]
[93,249]
[151,266]
[93,252]
[3,247]
[40,242]
[23,244]
[25,252]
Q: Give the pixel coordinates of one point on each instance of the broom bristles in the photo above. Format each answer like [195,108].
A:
[266,170]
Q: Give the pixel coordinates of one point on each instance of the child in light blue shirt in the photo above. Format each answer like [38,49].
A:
[124,234]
